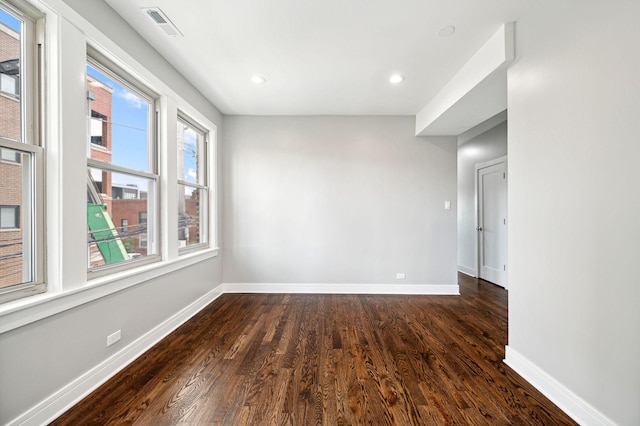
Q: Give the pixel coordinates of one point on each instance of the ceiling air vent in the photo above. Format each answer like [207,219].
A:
[162,21]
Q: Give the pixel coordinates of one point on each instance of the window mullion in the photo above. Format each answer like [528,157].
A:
[97,164]
[192,185]
[19,146]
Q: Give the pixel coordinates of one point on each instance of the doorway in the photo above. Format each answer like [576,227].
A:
[491,220]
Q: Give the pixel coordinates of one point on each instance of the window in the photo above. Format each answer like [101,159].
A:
[9,217]
[142,221]
[9,155]
[143,241]
[12,34]
[122,172]
[98,128]
[9,84]
[193,192]
[21,185]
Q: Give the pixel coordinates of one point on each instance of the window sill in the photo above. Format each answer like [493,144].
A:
[10,163]
[30,309]
[10,96]
[100,147]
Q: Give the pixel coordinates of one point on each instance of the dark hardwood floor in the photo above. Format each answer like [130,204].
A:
[328,359]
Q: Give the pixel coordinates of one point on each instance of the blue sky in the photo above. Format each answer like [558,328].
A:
[9,20]
[190,159]
[129,118]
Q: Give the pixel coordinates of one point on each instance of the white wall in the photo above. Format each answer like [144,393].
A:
[574,201]
[487,146]
[337,200]
[42,358]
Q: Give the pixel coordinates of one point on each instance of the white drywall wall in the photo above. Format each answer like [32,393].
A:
[337,200]
[475,93]
[574,234]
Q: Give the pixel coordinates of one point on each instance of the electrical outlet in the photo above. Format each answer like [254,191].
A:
[113,338]
[401,276]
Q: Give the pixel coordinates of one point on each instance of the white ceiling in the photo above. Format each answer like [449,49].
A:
[320,57]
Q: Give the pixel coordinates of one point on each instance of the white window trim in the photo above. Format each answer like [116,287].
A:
[98,61]
[24,311]
[205,223]
[36,210]
[205,183]
[32,56]
[66,288]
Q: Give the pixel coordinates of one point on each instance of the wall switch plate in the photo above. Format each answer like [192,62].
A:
[113,338]
[447,205]
[401,276]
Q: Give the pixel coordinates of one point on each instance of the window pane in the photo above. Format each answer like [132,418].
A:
[9,217]
[98,128]
[190,154]
[10,71]
[9,155]
[119,123]
[192,205]
[16,225]
[126,200]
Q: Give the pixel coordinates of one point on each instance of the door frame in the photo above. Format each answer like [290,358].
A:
[477,169]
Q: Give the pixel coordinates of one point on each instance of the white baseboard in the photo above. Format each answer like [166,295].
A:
[59,402]
[575,407]
[425,289]
[466,270]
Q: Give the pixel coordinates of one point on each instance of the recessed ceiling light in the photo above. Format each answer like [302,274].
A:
[446,31]
[396,79]
[258,79]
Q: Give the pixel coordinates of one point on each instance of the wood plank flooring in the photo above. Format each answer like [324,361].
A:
[273,359]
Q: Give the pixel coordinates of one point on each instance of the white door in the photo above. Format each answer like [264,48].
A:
[492,221]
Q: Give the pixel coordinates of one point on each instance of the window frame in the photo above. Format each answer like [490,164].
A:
[68,283]
[16,84]
[3,159]
[205,175]
[16,218]
[30,95]
[154,237]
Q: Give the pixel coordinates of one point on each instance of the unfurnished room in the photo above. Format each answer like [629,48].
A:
[319,212]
